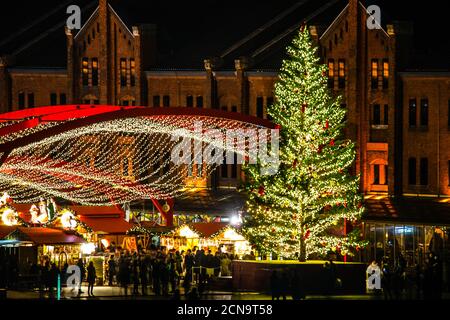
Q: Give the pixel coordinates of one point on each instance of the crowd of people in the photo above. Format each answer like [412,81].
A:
[424,281]
[162,271]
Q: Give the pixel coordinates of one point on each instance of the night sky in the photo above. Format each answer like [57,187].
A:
[186,18]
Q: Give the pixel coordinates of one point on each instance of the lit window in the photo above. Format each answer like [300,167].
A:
[341,74]
[374,73]
[385,73]
[94,71]
[85,71]
[123,72]
[132,72]
[330,73]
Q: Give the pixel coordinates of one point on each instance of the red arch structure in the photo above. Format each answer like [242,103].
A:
[25,133]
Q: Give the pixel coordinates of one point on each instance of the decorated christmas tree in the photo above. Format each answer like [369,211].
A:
[300,211]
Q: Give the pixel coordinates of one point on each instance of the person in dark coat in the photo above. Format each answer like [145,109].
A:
[135,276]
[91,275]
[156,271]
[164,275]
[124,275]
[53,279]
[298,291]
[80,265]
[284,285]
[188,264]
[275,285]
[143,270]
[111,270]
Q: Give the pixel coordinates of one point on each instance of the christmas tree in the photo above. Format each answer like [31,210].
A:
[300,211]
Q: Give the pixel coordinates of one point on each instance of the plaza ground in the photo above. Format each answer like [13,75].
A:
[115,293]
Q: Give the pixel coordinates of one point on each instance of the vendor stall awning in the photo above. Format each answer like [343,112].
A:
[5,230]
[407,210]
[40,235]
[107,225]
[207,229]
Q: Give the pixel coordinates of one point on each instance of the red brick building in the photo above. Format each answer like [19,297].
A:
[399,119]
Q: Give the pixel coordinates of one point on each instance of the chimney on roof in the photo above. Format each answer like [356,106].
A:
[148,33]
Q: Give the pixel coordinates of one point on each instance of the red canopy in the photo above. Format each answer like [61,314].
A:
[40,235]
[107,225]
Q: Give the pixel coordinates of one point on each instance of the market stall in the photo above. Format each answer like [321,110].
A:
[214,236]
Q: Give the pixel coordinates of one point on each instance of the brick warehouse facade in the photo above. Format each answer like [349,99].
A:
[399,120]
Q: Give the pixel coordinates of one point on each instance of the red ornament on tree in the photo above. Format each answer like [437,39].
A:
[319,150]
[304,107]
[273,230]
[327,125]
[307,234]
[261,191]
[332,142]
[338,204]
[277,126]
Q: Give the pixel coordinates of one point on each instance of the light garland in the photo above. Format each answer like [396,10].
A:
[111,161]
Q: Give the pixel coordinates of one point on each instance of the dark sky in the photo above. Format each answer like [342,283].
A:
[430,22]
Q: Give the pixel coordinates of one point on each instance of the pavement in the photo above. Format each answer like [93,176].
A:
[116,293]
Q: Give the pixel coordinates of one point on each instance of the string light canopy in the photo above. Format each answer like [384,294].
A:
[98,155]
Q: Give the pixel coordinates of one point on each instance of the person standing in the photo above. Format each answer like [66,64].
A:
[124,274]
[143,276]
[91,276]
[53,279]
[111,270]
[156,272]
[275,285]
[80,265]
[135,267]
[164,276]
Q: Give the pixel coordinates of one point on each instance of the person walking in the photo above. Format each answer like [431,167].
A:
[91,276]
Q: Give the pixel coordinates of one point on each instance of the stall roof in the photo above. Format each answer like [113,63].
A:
[108,225]
[101,211]
[207,229]
[40,235]
[412,210]
[5,230]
